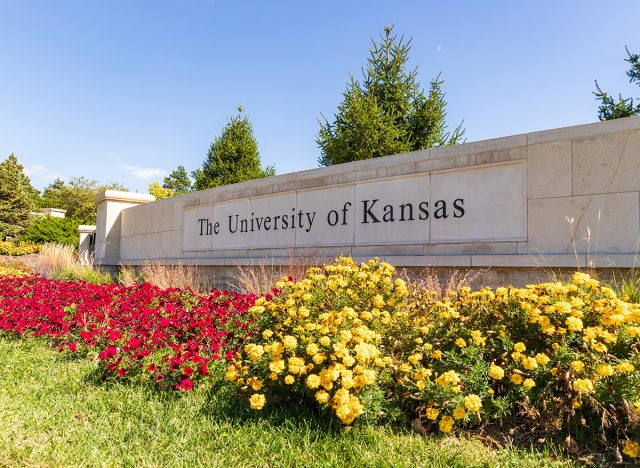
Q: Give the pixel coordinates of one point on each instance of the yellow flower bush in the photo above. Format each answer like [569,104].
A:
[349,336]
[321,336]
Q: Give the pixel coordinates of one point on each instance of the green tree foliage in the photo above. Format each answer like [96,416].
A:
[233,157]
[609,108]
[159,191]
[17,198]
[77,197]
[389,112]
[178,181]
[45,229]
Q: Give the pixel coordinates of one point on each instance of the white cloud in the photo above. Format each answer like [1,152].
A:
[40,171]
[439,48]
[145,173]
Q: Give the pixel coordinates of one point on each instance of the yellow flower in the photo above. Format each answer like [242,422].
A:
[583,385]
[604,370]
[528,384]
[312,349]
[472,403]
[529,363]
[267,334]
[625,368]
[232,373]
[296,365]
[577,367]
[432,413]
[313,381]
[516,379]
[542,359]
[461,343]
[446,423]
[631,449]
[257,401]
[289,379]
[449,378]
[254,351]
[573,323]
[437,354]
[325,341]
[322,396]
[519,347]
[496,372]
[459,412]
[289,342]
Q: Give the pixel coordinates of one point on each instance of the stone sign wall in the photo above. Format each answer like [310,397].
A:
[560,198]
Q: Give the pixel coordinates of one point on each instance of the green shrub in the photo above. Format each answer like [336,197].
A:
[47,229]
[18,248]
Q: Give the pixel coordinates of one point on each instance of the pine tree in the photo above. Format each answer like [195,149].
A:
[178,181]
[609,108]
[233,157]
[388,113]
[17,198]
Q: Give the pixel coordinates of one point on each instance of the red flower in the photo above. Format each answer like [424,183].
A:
[186,385]
[187,371]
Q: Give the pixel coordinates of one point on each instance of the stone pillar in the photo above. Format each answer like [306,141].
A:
[87,244]
[110,204]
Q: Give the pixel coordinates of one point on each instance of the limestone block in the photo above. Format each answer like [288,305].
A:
[493,199]
[610,221]
[456,159]
[270,210]
[606,163]
[198,228]
[334,215]
[229,214]
[549,169]
[372,251]
[588,130]
[388,211]
[130,247]
[472,248]
[161,217]
[170,244]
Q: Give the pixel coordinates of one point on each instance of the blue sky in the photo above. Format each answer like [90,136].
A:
[126,90]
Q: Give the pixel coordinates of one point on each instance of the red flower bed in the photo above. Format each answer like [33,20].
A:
[169,335]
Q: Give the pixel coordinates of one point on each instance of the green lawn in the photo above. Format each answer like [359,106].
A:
[53,411]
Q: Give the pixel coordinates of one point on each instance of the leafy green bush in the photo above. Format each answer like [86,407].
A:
[47,229]
[18,248]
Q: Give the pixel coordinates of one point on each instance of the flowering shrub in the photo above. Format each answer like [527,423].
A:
[322,337]
[564,355]
[347,336]
[168,335]
[18,248]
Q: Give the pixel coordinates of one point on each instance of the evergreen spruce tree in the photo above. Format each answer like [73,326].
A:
[388,113]
[17,198]
[178,181]
[233,157]
[610,108]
